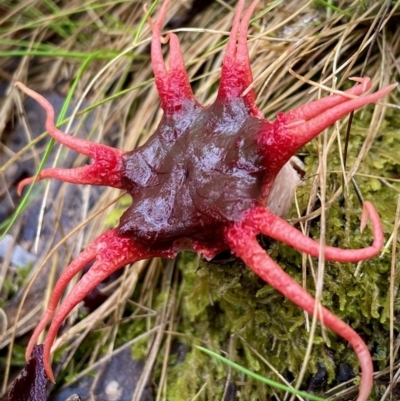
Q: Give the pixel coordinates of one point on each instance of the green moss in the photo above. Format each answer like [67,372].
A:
[188,376]
[12,283]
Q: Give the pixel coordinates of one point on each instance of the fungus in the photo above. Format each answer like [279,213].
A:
[202,180]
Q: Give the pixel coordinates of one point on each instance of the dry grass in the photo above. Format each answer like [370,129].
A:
[299,50]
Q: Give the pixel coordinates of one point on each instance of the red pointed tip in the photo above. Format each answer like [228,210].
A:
[46,360]
[236,75]
[173,86]
[38,330]
[313,109]
[364,81]
[48,369]
[328,116]
[230,51]
[369,213]
[22,184]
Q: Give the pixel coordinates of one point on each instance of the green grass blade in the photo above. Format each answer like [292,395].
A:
[261,378]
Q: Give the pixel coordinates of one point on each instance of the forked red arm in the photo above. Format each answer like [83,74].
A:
[173,86]
[241,238]
[106,168]
[236,74]
[292,130]
[110,252]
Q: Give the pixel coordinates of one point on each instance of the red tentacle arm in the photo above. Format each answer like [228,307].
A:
[275,227]
[110,252]
[310,110]
[87,256]
[173,86]
[241,238]
[106,168]
[236,73]
[292,130]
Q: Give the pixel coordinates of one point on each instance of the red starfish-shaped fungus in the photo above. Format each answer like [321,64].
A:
[202,180]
